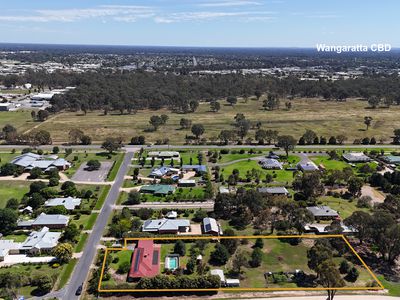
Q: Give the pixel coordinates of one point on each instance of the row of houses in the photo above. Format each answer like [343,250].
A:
[164,171]
[175,226]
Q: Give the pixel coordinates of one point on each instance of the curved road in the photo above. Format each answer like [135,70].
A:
[81,271]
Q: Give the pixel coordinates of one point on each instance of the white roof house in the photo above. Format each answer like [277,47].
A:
[31,160]
[271,164]
[171,215]
[51,221]
[165,154]
[42,240]
[69,203]
[354,157]
[187,182]
[166,225]
[219,273]
[210,225]
[8,247]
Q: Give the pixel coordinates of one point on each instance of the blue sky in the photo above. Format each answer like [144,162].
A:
[240,23]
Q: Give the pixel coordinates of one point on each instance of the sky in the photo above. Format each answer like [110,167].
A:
[208,23]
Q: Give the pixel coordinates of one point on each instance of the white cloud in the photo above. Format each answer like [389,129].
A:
[229,3]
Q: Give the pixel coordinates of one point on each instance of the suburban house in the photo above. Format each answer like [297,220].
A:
[40,241]
[158,189]
[8,247]
[323,212]
[356,157]
[271,154]
[164,154]
[186,182]
[166,226]
[145,260]
[43,220]
[211,226]
[69,203]
[199,169]
[275,191]
[324,228]
[225,282]
[28,161]
[163,171]
[270,164]
[307,167]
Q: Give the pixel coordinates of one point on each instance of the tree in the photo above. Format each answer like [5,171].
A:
[231,100]
[272,102]
[239,260]
[86,140]
[354,185]
[12,203]
[220,255]
[193,105]
[198,130]
[259,243]
[164,119]
[256,257]
[63,252]
[8,220]
[329,277]
[42,115]
[75,136]
[226,136]
[344,267]
[180,248]
[230,244]
[42,137]
[93,165]
[9,133]
[258,94]
[373,101]
[340,139]
[124,267]
[309,184]
[138,140]
[185,123]
[243,128]
[156,122]
[134,198]
[367,121]
[287,142]
[199,215]
[44,283]
[309,136]
[35,173]
[352,275]
[215,106]
[71,233]
[318,253]
[112,144]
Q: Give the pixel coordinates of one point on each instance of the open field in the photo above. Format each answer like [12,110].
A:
[12,189]
[20,119]
[325,118]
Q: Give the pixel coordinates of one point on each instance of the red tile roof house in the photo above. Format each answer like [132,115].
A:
[145,260]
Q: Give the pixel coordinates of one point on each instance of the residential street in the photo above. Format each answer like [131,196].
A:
[81,271]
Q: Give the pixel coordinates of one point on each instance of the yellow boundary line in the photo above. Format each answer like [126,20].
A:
[309,236]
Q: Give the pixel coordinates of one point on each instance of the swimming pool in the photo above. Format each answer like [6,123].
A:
[172,262]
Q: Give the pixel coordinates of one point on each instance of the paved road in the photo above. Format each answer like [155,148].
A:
[130,148]
[81,270]
[177,205]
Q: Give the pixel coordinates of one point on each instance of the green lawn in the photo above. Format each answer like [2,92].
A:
[20,119]
[102,197]
[280,176]
[344,207]
[83,220]
[12,189]
[6,157]
[123,256]
[90,222]
[329,164]
[393,287]
[19,238]
[66,273]
[82,241]
[118,161]
[232,157]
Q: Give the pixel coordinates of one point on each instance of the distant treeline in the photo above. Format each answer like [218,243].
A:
[131,91]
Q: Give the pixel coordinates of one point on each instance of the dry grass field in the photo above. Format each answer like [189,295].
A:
[325,118]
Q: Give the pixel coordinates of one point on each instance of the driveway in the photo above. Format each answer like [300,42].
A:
[99,175]
[20,259]
[377,197]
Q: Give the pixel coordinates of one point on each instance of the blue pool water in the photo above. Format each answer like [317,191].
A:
[172,263]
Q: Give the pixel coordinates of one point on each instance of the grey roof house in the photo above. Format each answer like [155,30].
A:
[270,164]
[211,226]
[323,212]
[43,220]
[356,157]
[28,161]
[69,203]
[40,241]
[276,191]
[166,225]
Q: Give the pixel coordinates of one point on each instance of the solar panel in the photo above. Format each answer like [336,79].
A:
[136,265]
[155,257]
